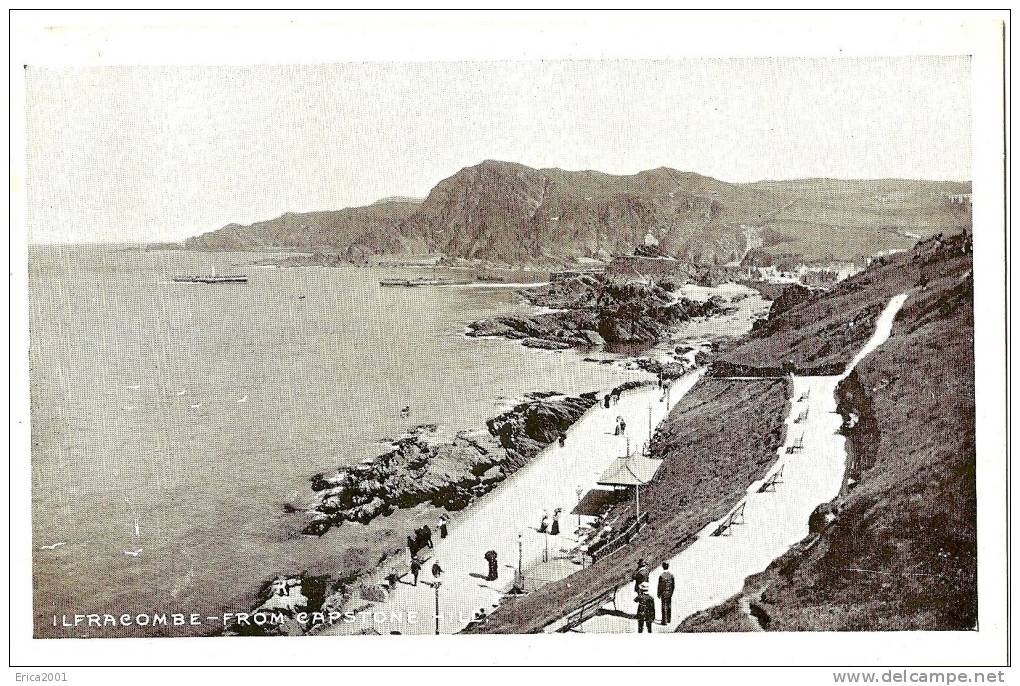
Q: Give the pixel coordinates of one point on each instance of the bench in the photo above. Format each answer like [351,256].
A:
[802,416]
[796,447]
[770,483]
[734,518]
[804,396]
[589,610]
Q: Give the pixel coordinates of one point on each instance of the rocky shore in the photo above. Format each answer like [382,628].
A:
[590,311]
[446,469]
[428,466]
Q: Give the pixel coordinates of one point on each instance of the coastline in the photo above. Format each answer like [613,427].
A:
[432,471]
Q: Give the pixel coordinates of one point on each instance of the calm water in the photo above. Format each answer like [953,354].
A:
[179,418]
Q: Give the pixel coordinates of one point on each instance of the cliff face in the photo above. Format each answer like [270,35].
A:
[510,213]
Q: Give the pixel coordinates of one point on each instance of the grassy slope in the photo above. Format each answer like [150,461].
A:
[909,512]
[822,333]
[722,436]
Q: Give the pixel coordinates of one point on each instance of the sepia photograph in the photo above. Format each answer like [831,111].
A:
[567,346]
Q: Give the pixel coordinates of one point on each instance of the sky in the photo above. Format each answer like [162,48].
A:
[138,154]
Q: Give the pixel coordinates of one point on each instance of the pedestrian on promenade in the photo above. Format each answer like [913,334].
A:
[640,574]
[555,530]
[608,397]
[415,569]
[665,592]
[443,531]
[437,571]
[491,558]
[412,547]
[544,524]
[426,536]
[563,438]
[645,609]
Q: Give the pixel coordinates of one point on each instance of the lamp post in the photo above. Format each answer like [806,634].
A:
[436,585]
[579,491]
[519,575]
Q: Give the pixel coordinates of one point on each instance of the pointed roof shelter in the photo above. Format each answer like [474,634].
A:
[635,470]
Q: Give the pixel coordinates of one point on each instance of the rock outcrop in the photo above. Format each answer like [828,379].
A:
[592,310]
[431,464]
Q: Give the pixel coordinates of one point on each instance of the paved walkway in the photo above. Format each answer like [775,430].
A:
[514,509]
[713,568]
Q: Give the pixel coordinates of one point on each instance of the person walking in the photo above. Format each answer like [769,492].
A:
[491,558]
[412,547]
[563,438]
[437,571]
[443,531]
[426,536]
[640,574]
[544,524]
[608,398]
[555,530]
[645,609]
[415,569]
[664,590]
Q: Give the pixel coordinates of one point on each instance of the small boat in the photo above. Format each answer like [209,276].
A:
[212,278]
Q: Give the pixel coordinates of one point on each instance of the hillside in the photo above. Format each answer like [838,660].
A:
[900,551]
[350,231]
[510,213]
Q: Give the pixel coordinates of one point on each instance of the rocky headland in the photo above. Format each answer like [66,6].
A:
[589,311]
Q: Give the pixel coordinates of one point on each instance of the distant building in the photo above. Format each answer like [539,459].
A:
[960,199]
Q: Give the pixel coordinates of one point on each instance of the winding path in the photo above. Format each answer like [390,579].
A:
[714,568]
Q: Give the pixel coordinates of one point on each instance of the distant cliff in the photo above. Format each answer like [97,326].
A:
[351,231]
[510,213]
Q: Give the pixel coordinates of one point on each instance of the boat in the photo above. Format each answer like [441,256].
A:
[420,281]
[211,278]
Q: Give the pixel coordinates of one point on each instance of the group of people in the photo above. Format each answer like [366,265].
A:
[422,536]
[544,527]
[646,603]
[612,398]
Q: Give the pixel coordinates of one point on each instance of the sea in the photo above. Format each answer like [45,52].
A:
[172,423]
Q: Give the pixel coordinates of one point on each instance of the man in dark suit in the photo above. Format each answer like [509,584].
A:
[665,593]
